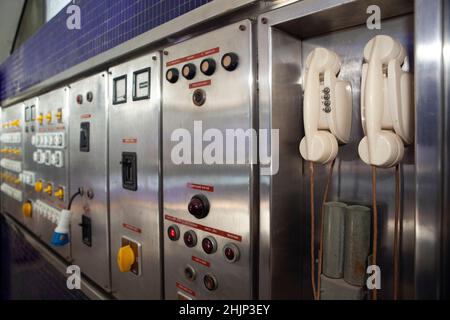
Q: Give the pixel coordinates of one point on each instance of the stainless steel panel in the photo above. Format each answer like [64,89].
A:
[285,39]
[135,127]
[51,103]
[89,170]
[229,105]
[9,204]
[429,98]
[30,127]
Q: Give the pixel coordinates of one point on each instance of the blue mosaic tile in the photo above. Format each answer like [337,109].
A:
[104,25]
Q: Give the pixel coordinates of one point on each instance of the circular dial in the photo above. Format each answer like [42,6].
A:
[210,282]
[199,97]
[190,238]
[231,252]
[199,206]
[230,61]
[189,71]
[172,75]
[173,232]
[208,66]
[209,245]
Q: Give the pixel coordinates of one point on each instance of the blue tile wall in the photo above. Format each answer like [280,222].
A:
[104,25]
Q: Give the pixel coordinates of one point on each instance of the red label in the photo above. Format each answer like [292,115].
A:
[193,56]
[199,84]
[218,232]
[129,140]
[85,116]
[200,187]
[201,261]
[185,289]
[132,228]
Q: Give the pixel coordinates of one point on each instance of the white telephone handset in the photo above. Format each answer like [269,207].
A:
[327,107]
[386,103]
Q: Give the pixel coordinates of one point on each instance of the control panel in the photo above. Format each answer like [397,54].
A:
[134,163]
[11,153]
[208,214]
[88,154]
[29,175]
[48,158]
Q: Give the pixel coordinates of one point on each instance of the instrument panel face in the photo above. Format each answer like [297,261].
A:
[207,104]
[134,164]
[88,143]
[12,147]
[51,157]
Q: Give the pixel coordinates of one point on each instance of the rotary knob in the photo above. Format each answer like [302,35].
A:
[189,71]
[172,75]
[199,206]
[208,66]
[230,61]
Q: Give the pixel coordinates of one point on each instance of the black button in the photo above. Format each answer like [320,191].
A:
[172,75]
[190,273]
[199,97]
[89,96]
[189,71]
[231,252]
[199,206]
[209,245]
[173,232]
[208,66]
[190,238]
[210,282]
[230,61]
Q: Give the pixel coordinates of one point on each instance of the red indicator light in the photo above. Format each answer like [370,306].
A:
[173,232]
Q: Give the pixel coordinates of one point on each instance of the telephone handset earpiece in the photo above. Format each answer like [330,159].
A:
[326,107]
[385,103]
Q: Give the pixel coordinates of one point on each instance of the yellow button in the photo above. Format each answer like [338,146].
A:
[49,117]
[59,115]
[27,209]
[49,189]
[15,123]
[60,193]
[38,186]
[40,118]
[125,258]
[17,181]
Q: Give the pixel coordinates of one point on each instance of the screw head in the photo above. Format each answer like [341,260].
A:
[264,20]
[242,27]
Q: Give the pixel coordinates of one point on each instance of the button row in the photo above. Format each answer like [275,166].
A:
[49,140]
[48,158]
[46,211]
[209,280]
[11,192]
[12,137]
[209,243]
[229,62]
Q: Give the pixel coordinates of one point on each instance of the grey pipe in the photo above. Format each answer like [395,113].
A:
[333,239]
[357,244]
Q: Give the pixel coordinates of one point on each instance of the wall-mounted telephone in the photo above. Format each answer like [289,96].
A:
[386,102]
[327,107]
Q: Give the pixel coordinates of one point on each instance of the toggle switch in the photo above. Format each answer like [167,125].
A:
[27,209]
[49,189]
[59,115]
[60,193]
[40,118]
[38,186]
[129,256]
[125,258]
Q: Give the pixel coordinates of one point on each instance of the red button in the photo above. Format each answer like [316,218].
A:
[173,232]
